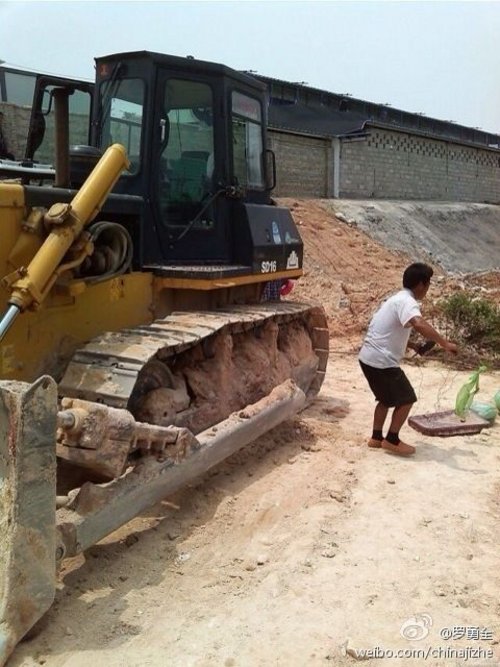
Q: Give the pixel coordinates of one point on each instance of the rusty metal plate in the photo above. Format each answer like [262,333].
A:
[27,506]
[447,423]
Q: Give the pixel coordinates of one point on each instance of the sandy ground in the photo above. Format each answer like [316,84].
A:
[302,542]
[307,547]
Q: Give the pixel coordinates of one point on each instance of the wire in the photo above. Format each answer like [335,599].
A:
[449,379]
[190,224]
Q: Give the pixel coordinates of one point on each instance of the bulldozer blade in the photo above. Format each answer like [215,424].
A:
[27,507]
[98,510]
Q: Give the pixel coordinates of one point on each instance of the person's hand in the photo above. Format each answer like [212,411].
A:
[450,347]
[425,347]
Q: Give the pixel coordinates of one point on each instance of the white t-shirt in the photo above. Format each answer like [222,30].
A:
[387,336]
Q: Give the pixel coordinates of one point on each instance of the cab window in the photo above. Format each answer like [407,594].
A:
[122,105]
[44,123]
[247,140]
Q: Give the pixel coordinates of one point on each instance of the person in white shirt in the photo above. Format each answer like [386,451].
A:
[384,347]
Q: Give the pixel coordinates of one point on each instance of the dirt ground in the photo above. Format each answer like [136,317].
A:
[307,548]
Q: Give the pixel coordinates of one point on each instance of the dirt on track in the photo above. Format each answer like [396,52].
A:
[306,546]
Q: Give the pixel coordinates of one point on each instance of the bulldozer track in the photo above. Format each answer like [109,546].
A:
[105,370]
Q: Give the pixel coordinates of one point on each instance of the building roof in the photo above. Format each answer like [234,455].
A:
[299,108]
[300,117]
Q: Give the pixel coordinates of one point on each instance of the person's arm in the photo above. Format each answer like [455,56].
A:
[428,332]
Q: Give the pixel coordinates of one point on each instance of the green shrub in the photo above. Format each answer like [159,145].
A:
[473,320]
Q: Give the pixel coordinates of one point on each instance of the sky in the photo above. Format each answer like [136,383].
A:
[437,58]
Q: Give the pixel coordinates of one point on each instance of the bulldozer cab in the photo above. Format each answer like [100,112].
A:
[195,136]
[197,193]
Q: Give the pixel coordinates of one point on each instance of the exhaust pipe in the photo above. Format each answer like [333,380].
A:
[61,109]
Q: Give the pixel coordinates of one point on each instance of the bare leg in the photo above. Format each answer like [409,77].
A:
[392,443]
[379,416]
[399,416]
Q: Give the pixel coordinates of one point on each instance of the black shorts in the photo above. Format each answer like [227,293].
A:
[390,385]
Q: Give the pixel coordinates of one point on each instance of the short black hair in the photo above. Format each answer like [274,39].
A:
[417,273]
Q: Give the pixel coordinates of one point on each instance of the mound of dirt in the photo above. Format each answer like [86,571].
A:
[461,237]
[350,272]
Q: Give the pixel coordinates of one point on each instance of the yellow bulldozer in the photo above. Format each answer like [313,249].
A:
[141,340]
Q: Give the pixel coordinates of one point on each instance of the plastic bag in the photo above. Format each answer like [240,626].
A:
[485,410]
[286,287]
[496,399]
[466,393]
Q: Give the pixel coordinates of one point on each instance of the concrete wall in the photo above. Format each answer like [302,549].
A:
[398,165]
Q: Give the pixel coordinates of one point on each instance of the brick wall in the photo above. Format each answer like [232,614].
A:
[398,165]
[383,165]
[302,165]
[14,124]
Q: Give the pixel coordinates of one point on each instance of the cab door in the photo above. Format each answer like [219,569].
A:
[190,218]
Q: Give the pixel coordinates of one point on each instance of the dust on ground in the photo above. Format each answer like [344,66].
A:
[306,546]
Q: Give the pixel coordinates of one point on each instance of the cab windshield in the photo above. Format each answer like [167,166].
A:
[122,105]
